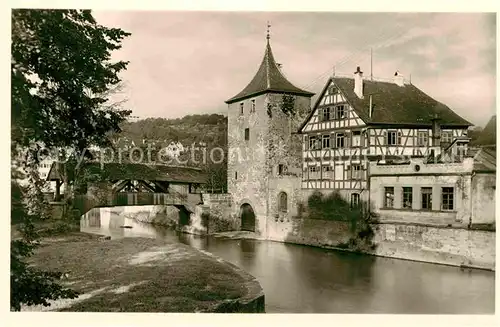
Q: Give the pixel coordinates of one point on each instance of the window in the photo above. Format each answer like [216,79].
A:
[241,108]
[461,150]
[327,172]
[354,200]
[426,198]
[235,175]
[282,169]
[389,197]
[252,108]
[393,138]
[422,138]
[332,90]
[314,143]
[326,114]
[447,198]
[282,202]
[247,134]
[339,140]
[356,138]
[407,197]
[326,141]
[446,137]
[339,112]
[356,172]
[313,172]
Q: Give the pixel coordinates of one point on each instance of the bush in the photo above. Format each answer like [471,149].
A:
[215,224]
[334,207]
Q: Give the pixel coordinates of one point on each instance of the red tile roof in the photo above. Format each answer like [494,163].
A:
[268,79]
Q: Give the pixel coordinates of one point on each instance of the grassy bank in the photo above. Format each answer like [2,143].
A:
[137,275]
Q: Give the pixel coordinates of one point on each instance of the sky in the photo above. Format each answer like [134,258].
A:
[184,63]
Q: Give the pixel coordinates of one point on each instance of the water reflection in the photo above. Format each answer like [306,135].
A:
[304,279]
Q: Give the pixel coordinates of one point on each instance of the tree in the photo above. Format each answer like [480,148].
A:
[61,76]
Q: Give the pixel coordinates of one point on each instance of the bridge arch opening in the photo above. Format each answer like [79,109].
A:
[247,216]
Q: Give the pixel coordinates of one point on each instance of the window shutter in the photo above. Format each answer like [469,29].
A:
[306,141]
[385,138]
[349,172]
[320,114]
[399,137]
[334,141]
[347,139]
[362,139]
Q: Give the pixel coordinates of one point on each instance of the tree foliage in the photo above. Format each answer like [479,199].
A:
[286,105]
[61,76]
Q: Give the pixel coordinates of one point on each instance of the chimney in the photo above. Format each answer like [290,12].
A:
[399,79]
[436,135]
[358,83]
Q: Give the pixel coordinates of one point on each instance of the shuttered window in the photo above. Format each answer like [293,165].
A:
[392,138]
[339,140]
[320,114]
[356,139]
[326,141]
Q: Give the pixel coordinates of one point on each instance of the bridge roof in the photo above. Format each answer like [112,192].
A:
[136,171]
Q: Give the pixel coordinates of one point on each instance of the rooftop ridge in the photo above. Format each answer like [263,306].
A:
[373,79]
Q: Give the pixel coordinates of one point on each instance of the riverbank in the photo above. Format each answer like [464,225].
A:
[457,247]
[144,275]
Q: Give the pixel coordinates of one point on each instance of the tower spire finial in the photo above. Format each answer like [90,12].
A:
[268,36]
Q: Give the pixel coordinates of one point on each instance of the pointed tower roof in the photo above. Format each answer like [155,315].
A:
[268,79]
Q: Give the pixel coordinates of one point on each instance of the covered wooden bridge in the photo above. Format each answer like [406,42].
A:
[125,184]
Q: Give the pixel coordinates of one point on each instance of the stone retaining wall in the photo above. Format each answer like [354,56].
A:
[427,243]
[451,246]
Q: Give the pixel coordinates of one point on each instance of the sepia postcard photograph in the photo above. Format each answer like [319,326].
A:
[252,161]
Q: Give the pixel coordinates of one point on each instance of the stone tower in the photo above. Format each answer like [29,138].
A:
[264,164]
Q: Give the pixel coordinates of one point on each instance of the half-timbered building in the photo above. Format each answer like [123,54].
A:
[355,121]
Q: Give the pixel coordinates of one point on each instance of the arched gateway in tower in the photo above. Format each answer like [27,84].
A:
[264,152]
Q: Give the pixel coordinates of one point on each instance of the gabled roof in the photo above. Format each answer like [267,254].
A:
[268,79]
[393,104]
[488,135]
[136,171]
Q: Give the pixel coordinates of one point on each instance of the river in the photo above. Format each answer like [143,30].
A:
[303,279]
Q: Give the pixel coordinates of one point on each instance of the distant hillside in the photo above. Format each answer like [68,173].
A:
[208,130]
[488,136]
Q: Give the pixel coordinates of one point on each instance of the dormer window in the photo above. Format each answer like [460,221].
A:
[252,108]
[242,106]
